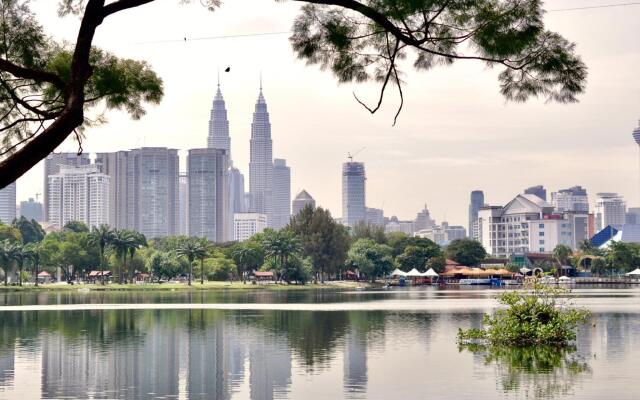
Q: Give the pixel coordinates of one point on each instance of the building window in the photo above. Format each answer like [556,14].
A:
[541,242]
[541,226]
[540,233]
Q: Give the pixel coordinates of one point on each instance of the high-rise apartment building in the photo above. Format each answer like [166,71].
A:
[208,194]
[79,194]
[354,209]
[302,200]
[572,199]
[537,190]
[52,165]
[475,204]
[246,225]
[610,209]
[119,166]
[261,161]
[281,194]
[32,209]
[183,204]
[8,204]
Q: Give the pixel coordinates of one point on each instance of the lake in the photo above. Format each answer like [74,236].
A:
[386,344]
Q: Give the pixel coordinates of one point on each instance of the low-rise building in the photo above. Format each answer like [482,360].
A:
[246,225]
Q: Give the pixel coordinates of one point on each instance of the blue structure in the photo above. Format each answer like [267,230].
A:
[603,236]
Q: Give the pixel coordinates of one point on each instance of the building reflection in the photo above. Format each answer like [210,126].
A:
[269,366]
[355,363]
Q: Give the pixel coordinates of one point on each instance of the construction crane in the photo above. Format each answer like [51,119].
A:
[350,156]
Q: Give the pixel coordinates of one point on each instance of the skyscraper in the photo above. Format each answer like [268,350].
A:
[8,204]
[119,166]
[31,209]
[183,204]
[636,137]
[208,194]
[302,200]
[537,190]
[281,193]
[219,124]
[237,195]
[261,161]
[354,208]
[475,204]
[571,199]
[52,166]
[79,194]
[610,209]
[423,220]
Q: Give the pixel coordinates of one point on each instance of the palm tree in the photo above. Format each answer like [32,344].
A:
[280,245]
[191,249]
[17,253]
[101,236]
[32,253]
[121,242]
[137,241]
[5,246]
[245,255]
[562,254]
[202,251]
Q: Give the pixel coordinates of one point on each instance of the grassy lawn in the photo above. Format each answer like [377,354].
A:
[214,285]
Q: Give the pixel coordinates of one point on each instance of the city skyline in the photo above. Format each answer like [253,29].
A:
[491,138]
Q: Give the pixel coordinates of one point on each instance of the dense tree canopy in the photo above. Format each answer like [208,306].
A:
[48,89]
[466,251]
[31,231]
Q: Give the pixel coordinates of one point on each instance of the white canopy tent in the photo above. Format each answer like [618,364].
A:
[431,273]
[635,272]
[414,273]
[398,272]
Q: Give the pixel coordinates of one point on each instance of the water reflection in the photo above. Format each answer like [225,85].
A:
[540,372]
[205,354]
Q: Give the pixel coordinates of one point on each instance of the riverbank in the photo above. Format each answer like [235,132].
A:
[196,286]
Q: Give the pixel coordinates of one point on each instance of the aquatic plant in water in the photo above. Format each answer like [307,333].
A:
[539,315]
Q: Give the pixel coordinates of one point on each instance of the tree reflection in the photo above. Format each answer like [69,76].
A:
[539,372]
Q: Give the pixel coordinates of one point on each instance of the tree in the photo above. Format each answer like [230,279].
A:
[31,231]
[437,263]
[32,253]
[164,265]
[247,255]
[622,257]
[191,250]
[5,259]
[323,240]
[102,237]
[121,242]
[562,254]
[47,87]
[10,233]
[202,253]
[417,255]
[367,230]
[465,251]
[279,247]
[75,226]
[137,240]
[371,258]
[17,253]
[218,268]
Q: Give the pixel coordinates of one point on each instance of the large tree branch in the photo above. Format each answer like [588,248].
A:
[122,5]
[28,73]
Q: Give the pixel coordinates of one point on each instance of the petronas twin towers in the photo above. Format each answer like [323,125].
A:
[265,196]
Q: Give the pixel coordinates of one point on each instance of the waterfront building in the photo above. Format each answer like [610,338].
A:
[375,216]
[245,225]
[475,204]
[302,200]
[145,188]
[281,194]
[52,165]
[8,204]
[183,205]
[528,224]
[79,194]
[537,190]
[610,209]
[32,209]
[572,199]
[208,194]
[353,193]
[261,161]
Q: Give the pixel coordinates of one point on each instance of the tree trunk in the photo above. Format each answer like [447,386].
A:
[102,264]
[35,265]
[190,271]
[202,271]
[20,274]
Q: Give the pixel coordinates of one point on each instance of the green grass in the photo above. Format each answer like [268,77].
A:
[221,286]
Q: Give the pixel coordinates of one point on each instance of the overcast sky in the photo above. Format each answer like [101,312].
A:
[455,134]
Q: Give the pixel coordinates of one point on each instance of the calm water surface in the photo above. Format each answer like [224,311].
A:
[286,345]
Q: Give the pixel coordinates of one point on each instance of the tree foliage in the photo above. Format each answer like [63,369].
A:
[48,90]
[466,251]
[30,230]
[371,258]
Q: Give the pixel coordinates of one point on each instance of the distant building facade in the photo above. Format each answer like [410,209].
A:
[261,161]
[423,220]
[208,194]
[52,165]
[537,190]
[79,194]
[475,204]
[610,209]
[572,199]
[248,224]
[302,200]
[183,205]
[281,194]
[32,209]
[8,204]
[395,225]
[354,208]
[375,216]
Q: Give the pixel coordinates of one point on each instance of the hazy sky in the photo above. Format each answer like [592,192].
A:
[455,134]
